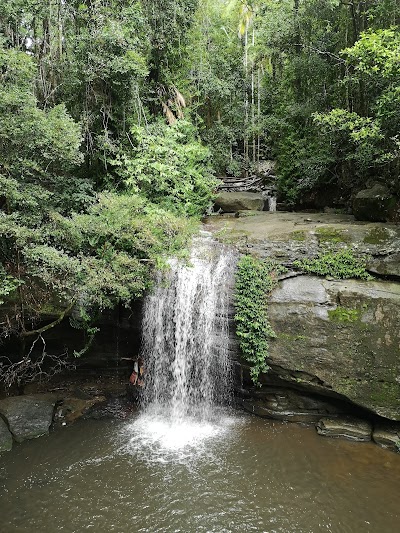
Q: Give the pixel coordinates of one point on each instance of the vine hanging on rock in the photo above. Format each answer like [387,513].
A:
[255,279]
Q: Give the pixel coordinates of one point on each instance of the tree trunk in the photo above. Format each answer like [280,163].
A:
[258,113]
[253,120]
[246,98]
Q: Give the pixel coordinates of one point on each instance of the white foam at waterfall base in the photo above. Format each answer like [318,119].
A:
[185,348]
[157,438]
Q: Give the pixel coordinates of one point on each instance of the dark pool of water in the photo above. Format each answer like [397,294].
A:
[241,474]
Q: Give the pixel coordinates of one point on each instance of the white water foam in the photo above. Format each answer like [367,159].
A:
[154,438]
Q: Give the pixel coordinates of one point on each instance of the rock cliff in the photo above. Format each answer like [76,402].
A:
[337,348]
[339,338]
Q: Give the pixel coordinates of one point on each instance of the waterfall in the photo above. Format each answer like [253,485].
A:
[185,335]
[271,203]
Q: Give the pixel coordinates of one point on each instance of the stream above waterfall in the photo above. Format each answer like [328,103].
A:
[246,474]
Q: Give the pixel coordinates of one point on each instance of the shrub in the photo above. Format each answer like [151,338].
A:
[170,167]
[341,265]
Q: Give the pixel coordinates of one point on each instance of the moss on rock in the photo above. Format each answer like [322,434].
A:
[332,235]
[377,235]
[342,314]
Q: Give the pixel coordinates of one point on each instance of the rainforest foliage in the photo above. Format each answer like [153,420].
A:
[311,84]
[96,188]
[115,116]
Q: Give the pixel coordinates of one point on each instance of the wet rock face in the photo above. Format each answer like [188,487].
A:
[385,265]
[6,439]
[339,338]
[230,202]
[28,417]
[345,427]
[376,204]
[289,405]
[387,436]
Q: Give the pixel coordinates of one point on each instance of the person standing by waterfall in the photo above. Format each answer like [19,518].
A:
[137,376]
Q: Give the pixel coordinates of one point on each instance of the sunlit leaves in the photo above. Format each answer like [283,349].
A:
[171,167]
[377,54]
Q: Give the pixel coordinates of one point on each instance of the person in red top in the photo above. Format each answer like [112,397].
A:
[137,376]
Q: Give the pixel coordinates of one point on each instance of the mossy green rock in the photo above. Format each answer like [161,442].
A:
[28,417]
[290,237]
[339,338]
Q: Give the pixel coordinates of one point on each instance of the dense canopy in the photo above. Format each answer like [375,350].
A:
[116,116]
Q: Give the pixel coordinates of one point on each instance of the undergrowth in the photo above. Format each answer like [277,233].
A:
[340,265]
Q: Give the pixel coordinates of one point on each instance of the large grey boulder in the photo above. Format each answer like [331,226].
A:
[28,417]
[338,339]
[376,204]
[230,202]
[345,427]
[6,440]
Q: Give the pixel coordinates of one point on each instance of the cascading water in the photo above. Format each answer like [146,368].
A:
[185,347]
[272,203]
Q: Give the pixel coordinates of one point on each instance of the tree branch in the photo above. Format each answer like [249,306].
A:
[51,325]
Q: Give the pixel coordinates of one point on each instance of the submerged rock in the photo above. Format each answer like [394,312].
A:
[28,417]
[230,202]
[6,440]
[345,427]
[72,409]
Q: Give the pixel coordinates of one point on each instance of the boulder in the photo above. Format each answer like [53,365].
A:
[288,405]
[376,204]
[386,265]
[230,202]
[71,409]
[345,427]
[6,440]
[28,417]
[338,339]
[387,436]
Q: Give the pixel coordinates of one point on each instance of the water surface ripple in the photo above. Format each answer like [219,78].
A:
[239,474]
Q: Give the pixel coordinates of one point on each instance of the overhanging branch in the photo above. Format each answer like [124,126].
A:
[51,325]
